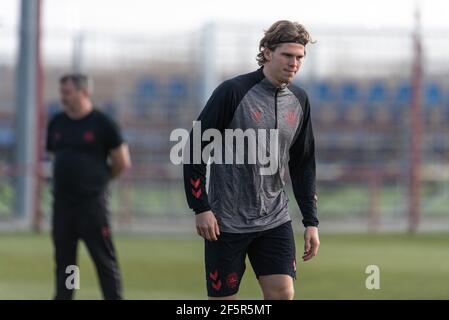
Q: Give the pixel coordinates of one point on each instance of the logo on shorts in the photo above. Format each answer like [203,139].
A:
[294,265]
[232,280]
[216,283]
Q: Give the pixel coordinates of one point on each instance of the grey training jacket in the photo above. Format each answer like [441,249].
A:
[243,199]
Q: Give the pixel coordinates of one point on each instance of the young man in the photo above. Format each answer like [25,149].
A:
[245,210]
[88,152]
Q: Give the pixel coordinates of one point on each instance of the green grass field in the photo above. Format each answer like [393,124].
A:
[341,200]
[411,267]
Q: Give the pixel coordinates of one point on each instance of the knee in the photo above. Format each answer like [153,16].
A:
[282,293]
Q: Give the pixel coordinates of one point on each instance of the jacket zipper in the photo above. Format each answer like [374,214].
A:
[276,108]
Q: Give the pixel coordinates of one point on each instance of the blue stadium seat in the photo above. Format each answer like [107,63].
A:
[432,106]
[146,88]
[322,92]
[146,92]
[403,93]
[432,94]
[177,88]
[378,93]
[402,99]
[348,97]
[380,103]
[349,93]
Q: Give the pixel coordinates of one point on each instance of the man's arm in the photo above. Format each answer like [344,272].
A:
[47,166]
[217,114]
[119,160]
[302,172]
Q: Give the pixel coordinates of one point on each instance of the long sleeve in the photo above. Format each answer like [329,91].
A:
[217,114]
[302,170]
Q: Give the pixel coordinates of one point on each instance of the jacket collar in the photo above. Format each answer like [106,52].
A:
[266,84]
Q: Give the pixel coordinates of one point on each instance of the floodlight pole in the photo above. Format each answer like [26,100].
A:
[28,97]
[415,129]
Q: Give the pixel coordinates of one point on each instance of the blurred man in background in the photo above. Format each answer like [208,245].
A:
[88,151]
[245,212]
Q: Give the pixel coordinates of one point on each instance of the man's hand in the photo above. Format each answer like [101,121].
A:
[311,243]
[207,225]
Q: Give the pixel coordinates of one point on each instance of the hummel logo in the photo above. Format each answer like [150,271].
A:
[256,115]
[290,118]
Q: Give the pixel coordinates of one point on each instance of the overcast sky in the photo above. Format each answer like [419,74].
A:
[159,15]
